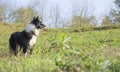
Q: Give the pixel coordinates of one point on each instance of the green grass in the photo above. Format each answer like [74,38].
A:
[64,50]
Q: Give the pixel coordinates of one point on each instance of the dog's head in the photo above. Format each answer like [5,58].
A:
[38,24]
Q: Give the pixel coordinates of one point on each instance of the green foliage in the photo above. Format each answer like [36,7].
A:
[58,41]
[64,50]
[80,21]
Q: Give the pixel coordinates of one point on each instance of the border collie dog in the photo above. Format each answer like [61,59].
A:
[27,38]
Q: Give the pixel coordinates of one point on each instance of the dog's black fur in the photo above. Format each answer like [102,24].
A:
[22,39]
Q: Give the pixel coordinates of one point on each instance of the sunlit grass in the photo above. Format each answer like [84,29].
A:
[86,51]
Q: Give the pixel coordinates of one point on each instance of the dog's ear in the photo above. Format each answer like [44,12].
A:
[37,17]
[34,18]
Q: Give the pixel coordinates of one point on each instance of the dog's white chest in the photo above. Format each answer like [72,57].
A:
[32,40]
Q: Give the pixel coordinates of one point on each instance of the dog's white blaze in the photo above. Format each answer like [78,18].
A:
[36,31]
[32,41]
[32,28]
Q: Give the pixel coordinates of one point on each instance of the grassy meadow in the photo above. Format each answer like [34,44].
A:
[64,50]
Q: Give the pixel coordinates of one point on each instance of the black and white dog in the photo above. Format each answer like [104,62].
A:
[27,38]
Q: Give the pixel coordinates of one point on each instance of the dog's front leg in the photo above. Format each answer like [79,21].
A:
[31,50]
[16,50]
[25,51]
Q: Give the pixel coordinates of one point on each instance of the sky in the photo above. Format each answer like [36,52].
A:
[98,8]
[103,6]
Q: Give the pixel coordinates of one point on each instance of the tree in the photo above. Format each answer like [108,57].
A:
[83,20]
[115,13]
[1,11]
[55,16]
[6,11]
[106,20]
[24,15]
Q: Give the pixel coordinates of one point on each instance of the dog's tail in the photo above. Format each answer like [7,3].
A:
[12,44]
